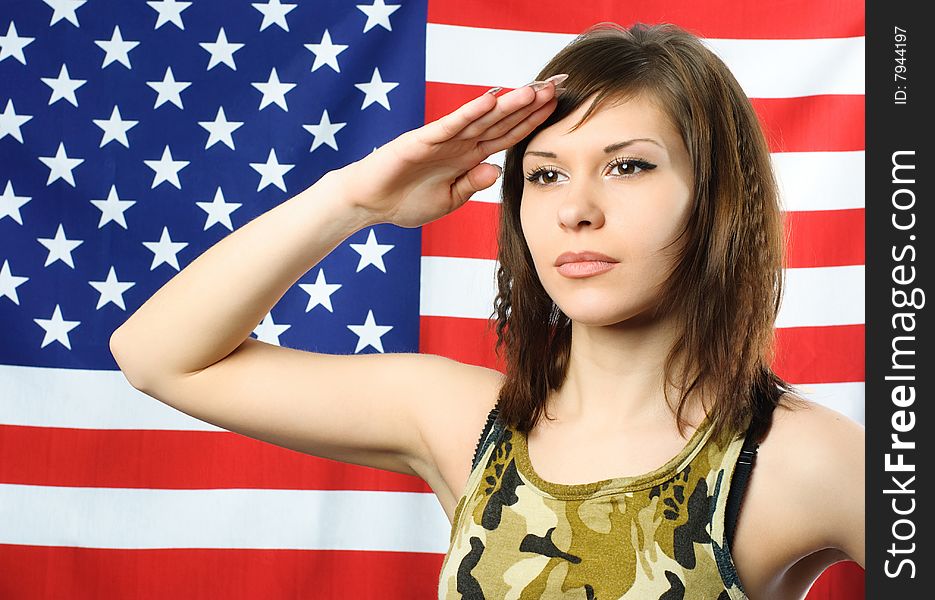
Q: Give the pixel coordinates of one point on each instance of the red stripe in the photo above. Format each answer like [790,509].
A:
[177,460]
[824,123]
[823,238]
[792,19]
[91,573]
[843,580]
[831,354]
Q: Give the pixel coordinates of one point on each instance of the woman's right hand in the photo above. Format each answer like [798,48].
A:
[428,172]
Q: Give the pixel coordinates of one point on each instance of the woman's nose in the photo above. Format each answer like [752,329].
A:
[580,209]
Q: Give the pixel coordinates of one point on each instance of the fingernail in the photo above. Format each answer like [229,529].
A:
[493,90]
[557,79]
[559,90]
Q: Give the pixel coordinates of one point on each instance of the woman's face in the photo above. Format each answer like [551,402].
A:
[585,199]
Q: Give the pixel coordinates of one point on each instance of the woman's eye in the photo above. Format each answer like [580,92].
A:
[545,176]
[550,174]
[628,165]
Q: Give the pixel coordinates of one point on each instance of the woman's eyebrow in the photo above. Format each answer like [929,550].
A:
[607,150]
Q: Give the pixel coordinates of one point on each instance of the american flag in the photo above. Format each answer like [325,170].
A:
[135,135]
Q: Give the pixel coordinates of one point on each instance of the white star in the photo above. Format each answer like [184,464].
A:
[169,10]
[371,253]
[60,247]
[10,203]
[271,172]
[166,169]
[60,166]
[320,292]
[221,51]
[274,12]
[169,89]
[12,44]
[63,86]
[324,132]
[56,328]
[220,130]
[218,211]
[116,49]
[10,122]
[111,290]
[64,9]
[115,128]
[165,250]
[376,90]
[326,53]
[369,333]
[268,331]
[378,13]
[273,91]
[113,208]
[9,282]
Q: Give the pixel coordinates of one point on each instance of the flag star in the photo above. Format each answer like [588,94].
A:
[113,208]
[9,282]
[274,13]
[268,331]
[56,328]
[219,211]
[326,53]
[64,9]
[115,128]
[324,132]
[320,292]
[10,122]
[60,166]
[372,252]
[60,247]
[116,49]
[63,86]
[378,13]
[169,11]
[166,169]
[10,203]
[221,51]
[376,90]
[169,89]
[271,172]
[369,333]
[220,130]
[111,290]
[165,250]
[273,91]
[11,44]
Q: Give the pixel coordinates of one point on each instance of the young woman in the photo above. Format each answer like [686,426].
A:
[641,257]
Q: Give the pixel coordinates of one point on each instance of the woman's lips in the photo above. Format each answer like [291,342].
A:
[586,268]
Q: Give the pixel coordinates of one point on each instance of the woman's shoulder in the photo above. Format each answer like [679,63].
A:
[812,438]
[814,457]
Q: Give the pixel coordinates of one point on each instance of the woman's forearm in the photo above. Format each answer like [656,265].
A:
[208,309]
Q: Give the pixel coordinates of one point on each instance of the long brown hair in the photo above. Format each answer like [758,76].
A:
[727,282]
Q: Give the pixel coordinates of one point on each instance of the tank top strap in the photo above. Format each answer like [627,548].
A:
[491,431]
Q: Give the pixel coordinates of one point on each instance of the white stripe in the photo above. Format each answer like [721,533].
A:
[84,399]
[104,400]
[822,296]
[807,180]
[764,68]
[846,398]
[287,519]
[466,288]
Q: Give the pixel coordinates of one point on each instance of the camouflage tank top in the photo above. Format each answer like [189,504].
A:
[661,535]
